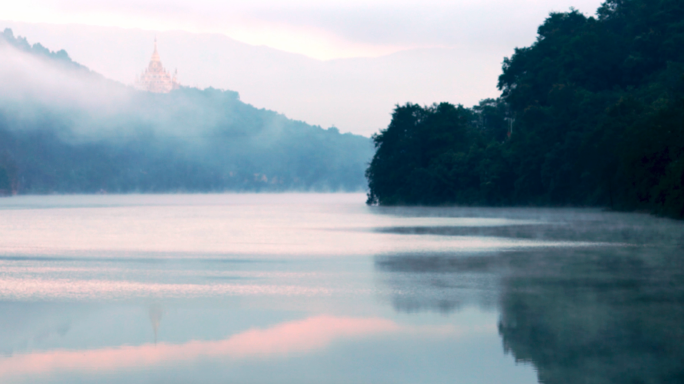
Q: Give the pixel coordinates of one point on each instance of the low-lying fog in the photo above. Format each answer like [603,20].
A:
[68,129]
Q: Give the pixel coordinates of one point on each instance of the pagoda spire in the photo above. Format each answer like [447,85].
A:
[155,55]
[155,78]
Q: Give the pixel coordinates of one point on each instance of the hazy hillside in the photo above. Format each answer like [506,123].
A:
[353,94]
[64,128]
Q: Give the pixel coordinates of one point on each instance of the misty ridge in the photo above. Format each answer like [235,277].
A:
[66,129]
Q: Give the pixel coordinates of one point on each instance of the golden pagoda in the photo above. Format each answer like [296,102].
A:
[155,78]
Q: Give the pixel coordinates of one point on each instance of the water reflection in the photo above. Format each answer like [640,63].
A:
[587,314]
[292,337]
[156,313]
[561,226]
[320,288]
[438,282]
[596,316]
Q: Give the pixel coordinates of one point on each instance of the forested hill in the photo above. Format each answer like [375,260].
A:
[591,114]
[66,129]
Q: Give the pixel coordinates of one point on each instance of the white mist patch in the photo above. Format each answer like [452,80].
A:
[256,228]
[49,82]
[27,289]
[406,222]
[80,105]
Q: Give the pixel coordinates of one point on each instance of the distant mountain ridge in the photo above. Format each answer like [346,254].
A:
[66,129]
[38,49]
[353,94]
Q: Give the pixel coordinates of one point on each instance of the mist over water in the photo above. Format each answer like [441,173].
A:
[321,288]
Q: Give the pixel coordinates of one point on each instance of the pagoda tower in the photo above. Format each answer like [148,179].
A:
[155,78]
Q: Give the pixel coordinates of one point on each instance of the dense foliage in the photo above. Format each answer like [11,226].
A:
[591,114]
[88,134]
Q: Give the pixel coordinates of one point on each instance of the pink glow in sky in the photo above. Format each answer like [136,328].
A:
[333,63]
[322,30]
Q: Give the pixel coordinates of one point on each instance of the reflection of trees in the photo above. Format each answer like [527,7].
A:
[156,313]
[26,326]
[438,282]
[580,315]
[597,316]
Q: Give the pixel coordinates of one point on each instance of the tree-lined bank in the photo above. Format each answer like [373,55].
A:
[592,114]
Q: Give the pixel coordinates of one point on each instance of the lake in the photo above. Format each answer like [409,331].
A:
[319,288]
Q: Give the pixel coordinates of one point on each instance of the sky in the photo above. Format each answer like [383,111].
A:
[466,41]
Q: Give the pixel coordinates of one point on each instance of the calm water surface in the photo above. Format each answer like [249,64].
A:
[309,288]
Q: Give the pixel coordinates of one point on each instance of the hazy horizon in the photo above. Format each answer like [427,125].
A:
[342,65]
[481,191]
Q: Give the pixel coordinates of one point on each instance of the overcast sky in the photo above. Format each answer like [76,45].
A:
[426,51]
[319,29]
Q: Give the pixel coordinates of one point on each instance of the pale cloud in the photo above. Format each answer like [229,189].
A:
[322,30]
[364,57]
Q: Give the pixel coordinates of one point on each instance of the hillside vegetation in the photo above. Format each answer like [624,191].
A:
[591,114]
[65,129]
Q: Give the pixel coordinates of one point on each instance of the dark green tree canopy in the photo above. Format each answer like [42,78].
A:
[590,114]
